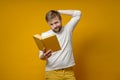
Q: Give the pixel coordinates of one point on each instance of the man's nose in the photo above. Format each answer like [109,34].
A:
[54,25]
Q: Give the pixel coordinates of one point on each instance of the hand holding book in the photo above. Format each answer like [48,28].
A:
[46,54]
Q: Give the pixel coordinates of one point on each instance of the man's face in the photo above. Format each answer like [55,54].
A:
[55,24]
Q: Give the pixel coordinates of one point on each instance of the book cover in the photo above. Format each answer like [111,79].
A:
[49,42]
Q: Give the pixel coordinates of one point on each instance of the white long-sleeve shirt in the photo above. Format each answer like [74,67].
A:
[64,57]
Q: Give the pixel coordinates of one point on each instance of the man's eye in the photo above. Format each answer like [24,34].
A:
[56,22]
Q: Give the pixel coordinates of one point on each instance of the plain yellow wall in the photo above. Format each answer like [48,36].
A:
[96,38]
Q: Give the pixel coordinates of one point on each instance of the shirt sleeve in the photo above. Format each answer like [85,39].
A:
[73,21]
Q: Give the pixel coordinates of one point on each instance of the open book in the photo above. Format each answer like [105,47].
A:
[49,42]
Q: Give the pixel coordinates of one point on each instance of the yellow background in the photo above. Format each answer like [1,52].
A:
[96,39]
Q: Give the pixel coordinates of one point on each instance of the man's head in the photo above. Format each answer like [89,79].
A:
[54,20]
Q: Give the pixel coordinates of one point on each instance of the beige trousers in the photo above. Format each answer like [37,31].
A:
[61,74]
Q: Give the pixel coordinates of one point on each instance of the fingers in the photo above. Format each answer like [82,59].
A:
[44,50]
[48,53]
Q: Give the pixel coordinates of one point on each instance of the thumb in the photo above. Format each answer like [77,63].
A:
[44,50]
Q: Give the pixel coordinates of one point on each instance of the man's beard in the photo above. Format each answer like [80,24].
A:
[57,29]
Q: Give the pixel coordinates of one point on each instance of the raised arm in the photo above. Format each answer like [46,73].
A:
[75,14]
[70,12]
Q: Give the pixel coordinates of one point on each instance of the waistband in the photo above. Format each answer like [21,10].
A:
[69,68]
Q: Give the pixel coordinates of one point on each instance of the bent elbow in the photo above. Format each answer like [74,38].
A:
[77,13]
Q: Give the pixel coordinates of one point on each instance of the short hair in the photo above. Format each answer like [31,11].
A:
[52,14]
